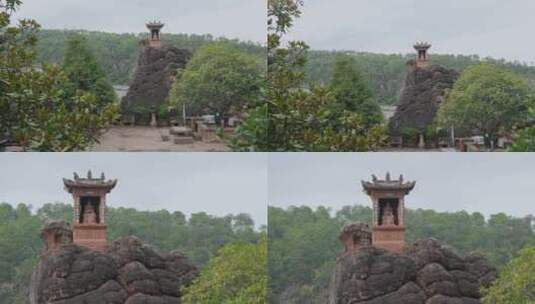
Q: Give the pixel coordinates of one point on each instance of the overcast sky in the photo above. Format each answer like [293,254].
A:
[484,182]
[216,183]
[494,28]
[243,19]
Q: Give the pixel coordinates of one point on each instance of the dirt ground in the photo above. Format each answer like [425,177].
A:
[147,139]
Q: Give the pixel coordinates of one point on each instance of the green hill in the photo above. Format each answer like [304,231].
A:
[386,72]
[117,53]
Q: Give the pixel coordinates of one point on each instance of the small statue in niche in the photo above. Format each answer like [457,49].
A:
[90,216]
[388,216]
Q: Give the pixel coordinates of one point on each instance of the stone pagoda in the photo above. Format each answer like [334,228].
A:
[89,212]
[422,61]
[155,27]
[388,198]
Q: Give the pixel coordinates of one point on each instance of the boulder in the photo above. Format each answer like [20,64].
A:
[422,93]
[128,272]
[154,75]
[427,272]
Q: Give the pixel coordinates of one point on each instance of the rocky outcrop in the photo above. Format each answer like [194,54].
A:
[128,272]
[153,77]
[423,92]
[428,272]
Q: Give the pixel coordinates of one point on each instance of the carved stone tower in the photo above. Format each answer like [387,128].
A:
[155,27]
[388,198]
[422,61]
[355,236]
[89,212]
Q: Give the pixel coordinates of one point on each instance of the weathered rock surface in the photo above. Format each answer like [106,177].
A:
[128,272]
[153,77]
[428,272]
[423,92]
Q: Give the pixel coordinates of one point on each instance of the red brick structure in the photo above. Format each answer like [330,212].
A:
[422,60]
[89,212]
[355,236]
[155,27]
[388,198]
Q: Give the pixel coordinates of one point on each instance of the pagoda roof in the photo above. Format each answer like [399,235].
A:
[89,182]
[155,24]
[420,45]
[388,184]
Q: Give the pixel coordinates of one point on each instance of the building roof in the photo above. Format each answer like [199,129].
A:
[420,45]
[388,184]
[155,25]
[88,182]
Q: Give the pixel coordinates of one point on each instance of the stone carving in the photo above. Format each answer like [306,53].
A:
[89,216]
[388,216]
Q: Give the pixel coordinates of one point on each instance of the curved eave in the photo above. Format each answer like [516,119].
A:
[406,187]
[70,184]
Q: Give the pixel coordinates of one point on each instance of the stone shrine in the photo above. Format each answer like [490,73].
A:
[388,198]
[155,27]
[89,211]
[422,60]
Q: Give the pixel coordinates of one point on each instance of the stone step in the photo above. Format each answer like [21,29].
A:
[184,140]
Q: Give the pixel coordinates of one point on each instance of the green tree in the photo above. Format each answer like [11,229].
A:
[352,92]
[37,111]
[251,134]
[237,275]
[306,119]
[219,79]
[486,99]
[84,73]
[516,282]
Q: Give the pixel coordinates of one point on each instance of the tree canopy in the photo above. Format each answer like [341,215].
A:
[84,73]
[352,92]
[306,119]
[218,79]
[516,282]
[37,110]
[485,99]
[237,275]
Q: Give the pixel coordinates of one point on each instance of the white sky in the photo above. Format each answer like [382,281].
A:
[216,183]
[484,182]
[243,19]
[497,28]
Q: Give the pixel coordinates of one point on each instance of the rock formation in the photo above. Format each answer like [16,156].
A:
[128,272]
[428,272]
[153,77]
[423,92]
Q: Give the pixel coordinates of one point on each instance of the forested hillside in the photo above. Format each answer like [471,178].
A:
[303,243]
[386,72]
[117,53]
[199,237]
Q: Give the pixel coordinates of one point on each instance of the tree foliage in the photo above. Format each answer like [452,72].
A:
[219,79]
[237,275]
[516,282]
[117,53]
[386,72]
[485,99]
[303,119]
[303,243]
[37,111]
[352,92]
[199,237]
[84,73]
